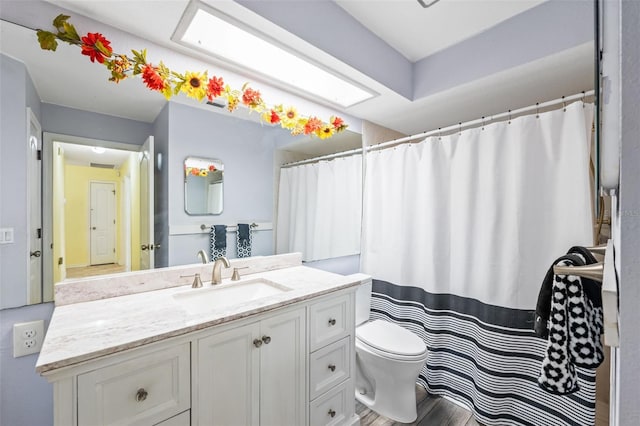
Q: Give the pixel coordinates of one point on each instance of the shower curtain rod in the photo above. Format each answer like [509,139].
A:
[445,130]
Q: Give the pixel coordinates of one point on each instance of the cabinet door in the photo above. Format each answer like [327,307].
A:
[227,378]
[282,370]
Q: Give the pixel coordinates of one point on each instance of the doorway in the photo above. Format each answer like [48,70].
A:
[83,174]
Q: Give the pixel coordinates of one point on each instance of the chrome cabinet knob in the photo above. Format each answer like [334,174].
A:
[257,343]
[332,367]
[266,339]
[331,413]
[332,321]
[141,395]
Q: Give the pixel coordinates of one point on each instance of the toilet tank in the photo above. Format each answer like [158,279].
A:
[363,298]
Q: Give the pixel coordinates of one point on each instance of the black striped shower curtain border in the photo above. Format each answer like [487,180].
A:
[484,357]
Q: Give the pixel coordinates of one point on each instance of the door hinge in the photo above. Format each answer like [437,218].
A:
[114,250]
[60,261]
[114,221]
[39,154]
[39,232]
[114,191]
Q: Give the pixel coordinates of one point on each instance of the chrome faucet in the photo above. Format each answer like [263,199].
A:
[203,256]
[216,274]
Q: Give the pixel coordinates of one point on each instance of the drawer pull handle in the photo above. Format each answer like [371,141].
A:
[332,367]
[266,339]
[141,395]
[331,413]
[257,343]
[332,321]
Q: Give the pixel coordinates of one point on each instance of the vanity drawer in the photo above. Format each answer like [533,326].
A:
[140,391]
[329,366]
[330,408]
[329,321]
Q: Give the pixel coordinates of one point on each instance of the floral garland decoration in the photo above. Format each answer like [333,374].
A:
[196,85]
[199,171]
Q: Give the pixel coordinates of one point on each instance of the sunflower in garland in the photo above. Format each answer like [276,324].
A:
[289,118]
[195,85]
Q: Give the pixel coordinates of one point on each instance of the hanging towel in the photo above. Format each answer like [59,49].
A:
[244,240]
[218,241]
[573,328]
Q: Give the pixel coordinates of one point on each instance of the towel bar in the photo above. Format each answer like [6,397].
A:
[593,272]
[601,249]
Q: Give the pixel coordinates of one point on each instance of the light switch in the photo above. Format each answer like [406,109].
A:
[6,235]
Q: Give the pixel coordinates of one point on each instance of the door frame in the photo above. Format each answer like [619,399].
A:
[34,295]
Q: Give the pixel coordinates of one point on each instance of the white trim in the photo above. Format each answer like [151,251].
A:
[33,295]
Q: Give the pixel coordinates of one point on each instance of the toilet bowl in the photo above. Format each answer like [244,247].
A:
[388,361]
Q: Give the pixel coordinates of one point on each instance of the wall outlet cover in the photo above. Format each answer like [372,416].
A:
[27,337]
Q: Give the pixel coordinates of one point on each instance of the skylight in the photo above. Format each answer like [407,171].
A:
[231,43]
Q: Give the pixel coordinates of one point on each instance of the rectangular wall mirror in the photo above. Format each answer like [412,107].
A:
[203,186]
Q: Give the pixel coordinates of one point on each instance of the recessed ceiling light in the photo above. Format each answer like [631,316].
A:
[216,35]
[98,149]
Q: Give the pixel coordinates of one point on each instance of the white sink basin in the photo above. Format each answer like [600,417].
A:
[209,298]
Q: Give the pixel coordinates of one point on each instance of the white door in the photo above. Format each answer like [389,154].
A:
[103,223]
[146,205]
[227,378]
[34,209]
[282,367]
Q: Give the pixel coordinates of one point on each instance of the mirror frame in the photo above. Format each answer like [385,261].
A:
[194,168]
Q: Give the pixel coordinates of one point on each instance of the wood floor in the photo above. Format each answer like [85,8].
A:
[437,411]
[432,410]
[90,271]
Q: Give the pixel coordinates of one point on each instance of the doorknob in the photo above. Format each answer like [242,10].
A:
[144,247]
[93,227]
[36,253]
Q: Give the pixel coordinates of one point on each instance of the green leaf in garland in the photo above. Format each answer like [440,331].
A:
[47,40]
[70,31]
[60,22]
[102,49]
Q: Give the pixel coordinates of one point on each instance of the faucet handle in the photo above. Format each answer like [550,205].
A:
[197,282]
[236,274]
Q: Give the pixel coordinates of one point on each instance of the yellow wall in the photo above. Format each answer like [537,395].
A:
[76,210]
[131,168]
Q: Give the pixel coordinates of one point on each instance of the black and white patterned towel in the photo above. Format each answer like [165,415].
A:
[574,327]
[244,240]
[217,241]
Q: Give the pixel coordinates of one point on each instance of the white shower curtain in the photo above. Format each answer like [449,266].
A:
[319,209]
[480,214]
[458,234]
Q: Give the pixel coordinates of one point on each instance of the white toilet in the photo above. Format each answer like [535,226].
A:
[388,361]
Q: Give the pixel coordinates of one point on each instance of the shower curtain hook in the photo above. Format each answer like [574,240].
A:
[584,98]
[460,128]
[483,122]
[439,133]
[509,116]
[564,104]
[537,109]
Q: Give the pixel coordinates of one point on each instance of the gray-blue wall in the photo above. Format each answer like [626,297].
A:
[247,149]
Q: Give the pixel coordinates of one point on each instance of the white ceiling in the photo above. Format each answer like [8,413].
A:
[418,32]
[68,78]
[85,155]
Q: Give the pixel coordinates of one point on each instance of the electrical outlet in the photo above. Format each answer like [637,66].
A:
[27,337]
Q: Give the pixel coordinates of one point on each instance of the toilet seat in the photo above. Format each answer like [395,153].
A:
[390,341]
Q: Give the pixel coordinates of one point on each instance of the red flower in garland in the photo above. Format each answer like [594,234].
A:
[152,79]
[337,122]
[251,97]
[215,87]
[312,125]
[96,47]
[274,117]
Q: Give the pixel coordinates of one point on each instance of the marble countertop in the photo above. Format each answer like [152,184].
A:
[83,331]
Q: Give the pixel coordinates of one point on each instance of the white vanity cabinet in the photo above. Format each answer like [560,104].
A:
[332,361]
[253,374]
[290,365]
